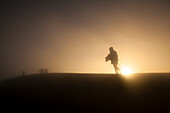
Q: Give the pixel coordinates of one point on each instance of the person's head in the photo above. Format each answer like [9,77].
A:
[111,49]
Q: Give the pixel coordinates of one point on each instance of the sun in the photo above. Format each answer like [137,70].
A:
[126,71]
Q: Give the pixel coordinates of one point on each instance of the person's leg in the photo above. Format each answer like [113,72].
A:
[115,67]
[118,69]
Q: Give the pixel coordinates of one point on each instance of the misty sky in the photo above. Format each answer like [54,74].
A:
[74,35]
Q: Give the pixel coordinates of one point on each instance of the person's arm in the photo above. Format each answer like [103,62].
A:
[107,58]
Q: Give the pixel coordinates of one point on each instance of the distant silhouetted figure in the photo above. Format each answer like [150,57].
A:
[43,71]
[113,57]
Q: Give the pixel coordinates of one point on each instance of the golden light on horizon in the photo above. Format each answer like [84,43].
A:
[75,37]
[126,71]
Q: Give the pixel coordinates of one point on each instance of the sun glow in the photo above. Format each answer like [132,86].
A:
[126,71]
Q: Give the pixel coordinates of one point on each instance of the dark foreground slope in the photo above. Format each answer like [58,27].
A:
[87,93]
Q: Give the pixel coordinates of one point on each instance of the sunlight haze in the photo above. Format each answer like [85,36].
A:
[76,36]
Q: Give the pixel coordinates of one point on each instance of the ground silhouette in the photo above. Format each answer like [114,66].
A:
[88,93]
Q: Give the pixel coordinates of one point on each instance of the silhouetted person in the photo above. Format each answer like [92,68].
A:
[113,57]
[43,71]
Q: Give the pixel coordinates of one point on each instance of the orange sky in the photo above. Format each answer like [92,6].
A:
[75,36]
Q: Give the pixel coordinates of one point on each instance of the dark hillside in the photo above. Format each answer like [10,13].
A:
[87,92]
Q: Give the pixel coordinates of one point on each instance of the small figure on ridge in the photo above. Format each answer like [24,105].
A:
[113,57]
